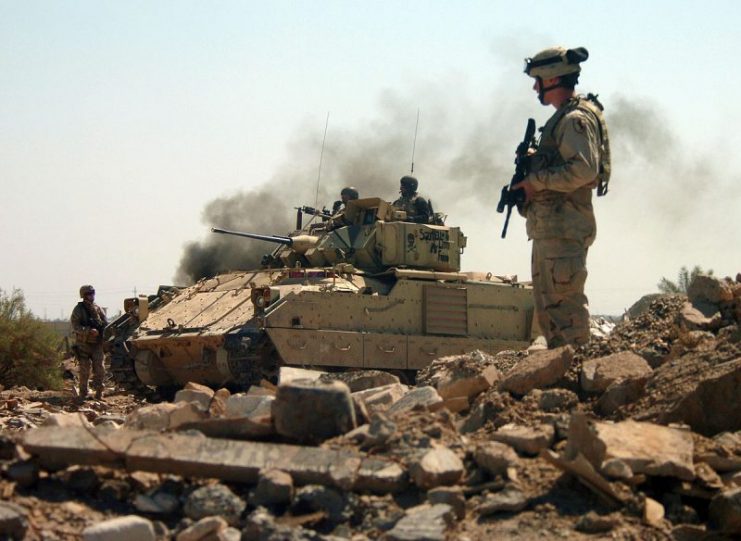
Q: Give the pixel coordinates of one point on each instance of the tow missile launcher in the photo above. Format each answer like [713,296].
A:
[363,289]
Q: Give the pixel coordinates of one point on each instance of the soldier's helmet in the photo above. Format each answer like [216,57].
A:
[410,183]
[349,192]
[555,62]
[84,290]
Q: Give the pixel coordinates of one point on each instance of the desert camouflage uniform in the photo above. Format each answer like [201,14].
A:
[416,207]
[572,156]
[89,349]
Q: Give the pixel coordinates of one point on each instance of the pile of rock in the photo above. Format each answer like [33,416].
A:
[622,436]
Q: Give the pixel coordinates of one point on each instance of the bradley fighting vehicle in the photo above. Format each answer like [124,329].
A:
[363,289]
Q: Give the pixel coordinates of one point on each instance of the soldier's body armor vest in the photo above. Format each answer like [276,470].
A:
[89,316]
[567,215]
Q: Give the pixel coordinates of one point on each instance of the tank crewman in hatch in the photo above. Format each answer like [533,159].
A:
[572,158]
[348,193]
[417,207]
[338,218]
[88,322]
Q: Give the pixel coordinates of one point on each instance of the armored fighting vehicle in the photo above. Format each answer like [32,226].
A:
[363,289]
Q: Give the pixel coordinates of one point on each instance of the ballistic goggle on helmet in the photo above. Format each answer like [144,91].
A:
[555,62]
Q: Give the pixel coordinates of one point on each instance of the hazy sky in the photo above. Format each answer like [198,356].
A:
[120,121]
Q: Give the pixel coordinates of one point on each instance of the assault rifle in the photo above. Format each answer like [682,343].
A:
[509,197]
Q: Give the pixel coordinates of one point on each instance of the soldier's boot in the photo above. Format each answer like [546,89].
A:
[99,393]
[83,392]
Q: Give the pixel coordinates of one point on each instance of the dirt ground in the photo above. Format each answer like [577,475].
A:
[685,369]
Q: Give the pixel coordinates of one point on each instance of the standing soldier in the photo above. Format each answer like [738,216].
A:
[573,158]
[88,322]
[417,207]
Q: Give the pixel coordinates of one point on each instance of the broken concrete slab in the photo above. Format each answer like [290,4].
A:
[199,394]
[243,428]
[467,385]
[700,317]
[438,466]
[190,455]
[424,522]
[598,374]
[426,397]
[256,407]
[121,529]
[706,288]
[289,374]
[66,419]
[381,477]
[621,393]
[537,370]
[495,457]
[218,403]
[361,380]
[460,375]
[645,447]
[525,439]
[313,412]
[381,398]
[164,416]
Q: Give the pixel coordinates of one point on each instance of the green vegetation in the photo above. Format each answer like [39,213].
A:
[28,349]
[683,281]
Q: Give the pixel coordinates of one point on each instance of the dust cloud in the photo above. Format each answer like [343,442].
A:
[464,155]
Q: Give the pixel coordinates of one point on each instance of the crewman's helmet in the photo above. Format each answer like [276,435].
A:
[410,183]
[555,62]
[84,290]
[349,192]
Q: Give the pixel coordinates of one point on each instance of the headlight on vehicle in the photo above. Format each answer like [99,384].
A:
[262,297]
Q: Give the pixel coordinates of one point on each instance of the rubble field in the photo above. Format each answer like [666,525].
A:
[636,435]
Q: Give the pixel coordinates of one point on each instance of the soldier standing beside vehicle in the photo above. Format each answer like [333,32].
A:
[417,207]
[88,322]
[572,158]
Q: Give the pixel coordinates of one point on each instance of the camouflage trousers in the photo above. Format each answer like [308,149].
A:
[559,270]
[91,356]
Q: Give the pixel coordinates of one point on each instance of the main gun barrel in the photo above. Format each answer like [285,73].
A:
[278,239]
[298,243]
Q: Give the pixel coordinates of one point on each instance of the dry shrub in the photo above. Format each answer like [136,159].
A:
[28,348]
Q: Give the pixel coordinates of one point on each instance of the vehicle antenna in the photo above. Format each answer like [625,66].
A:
[321,156]
[414,145]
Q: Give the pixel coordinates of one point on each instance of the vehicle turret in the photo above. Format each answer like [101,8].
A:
[369,234]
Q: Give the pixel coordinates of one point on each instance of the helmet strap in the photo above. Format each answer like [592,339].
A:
[542,90]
